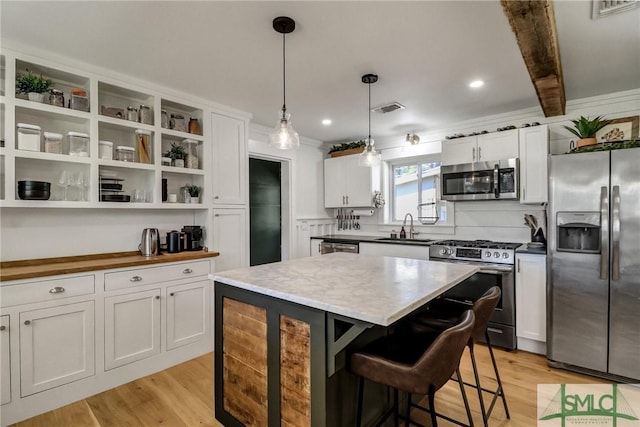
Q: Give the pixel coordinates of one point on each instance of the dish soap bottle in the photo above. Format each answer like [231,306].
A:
[403,234]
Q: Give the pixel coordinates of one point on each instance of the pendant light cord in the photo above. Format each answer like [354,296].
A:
[369,139]
[284,74]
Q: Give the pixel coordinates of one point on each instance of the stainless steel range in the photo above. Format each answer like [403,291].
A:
[496,261]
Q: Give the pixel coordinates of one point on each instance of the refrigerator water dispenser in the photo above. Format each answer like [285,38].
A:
[579,232]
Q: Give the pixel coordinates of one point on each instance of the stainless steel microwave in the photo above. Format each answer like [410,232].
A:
[492,180]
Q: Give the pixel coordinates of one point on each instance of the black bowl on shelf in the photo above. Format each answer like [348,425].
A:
[34,190]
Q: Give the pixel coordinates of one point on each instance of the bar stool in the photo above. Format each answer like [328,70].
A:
[419,363]
[441,314]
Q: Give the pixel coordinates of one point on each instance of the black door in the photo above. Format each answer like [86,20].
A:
[264,211]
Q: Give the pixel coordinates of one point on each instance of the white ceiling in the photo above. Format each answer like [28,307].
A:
[425,53]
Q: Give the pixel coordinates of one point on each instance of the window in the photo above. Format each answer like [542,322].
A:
[415,190]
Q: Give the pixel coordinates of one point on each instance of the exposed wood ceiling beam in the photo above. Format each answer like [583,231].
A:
[534,25]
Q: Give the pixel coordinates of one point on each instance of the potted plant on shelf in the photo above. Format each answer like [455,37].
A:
[33,85]
[194,192]
[176,153]
[586,129]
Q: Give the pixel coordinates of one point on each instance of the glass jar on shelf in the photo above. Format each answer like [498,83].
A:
[143,144]
[164,119]
[56,97]
[78,144]
[132,114]
[125,154]
[145,115]
[105,150]
[194,126]
[191,160]
[53,142]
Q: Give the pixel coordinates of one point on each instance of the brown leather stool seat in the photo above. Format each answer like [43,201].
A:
[416,363]
[442,313]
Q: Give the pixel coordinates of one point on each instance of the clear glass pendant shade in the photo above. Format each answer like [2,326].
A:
[284,136]
[369,157]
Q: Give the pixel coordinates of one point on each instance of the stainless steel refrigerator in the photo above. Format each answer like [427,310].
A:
[594,262]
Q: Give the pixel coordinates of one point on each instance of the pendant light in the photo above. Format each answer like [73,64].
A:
[283,136]
[369,157]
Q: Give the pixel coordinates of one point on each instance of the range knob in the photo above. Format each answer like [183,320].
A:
[443,251]
[496,254]
[449,251]
[505,255]
[487,254]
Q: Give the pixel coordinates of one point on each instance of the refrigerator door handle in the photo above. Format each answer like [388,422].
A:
[604,230]
[615,233]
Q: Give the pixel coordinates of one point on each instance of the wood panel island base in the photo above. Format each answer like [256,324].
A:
[283,331]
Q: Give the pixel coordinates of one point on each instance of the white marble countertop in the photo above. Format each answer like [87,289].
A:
[372,289]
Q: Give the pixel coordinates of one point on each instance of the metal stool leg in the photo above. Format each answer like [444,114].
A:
[408,414]
[464,397]
[395,407]
[495,368]
[359,407]
[432,407]
[478,387]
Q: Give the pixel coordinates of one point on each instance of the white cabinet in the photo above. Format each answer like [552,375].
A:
[348,185]
[534,152]
[395,250]
[132,327]
[187,313]
[56,346]
[315,247]
[5,361]
[230,161]
[480,148]
[230,238]
[531,302]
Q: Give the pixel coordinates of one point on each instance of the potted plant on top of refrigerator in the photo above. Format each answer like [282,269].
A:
[33,85]
[585,129]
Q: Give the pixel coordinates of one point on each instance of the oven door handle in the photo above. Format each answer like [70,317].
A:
[496,181]
[495,271]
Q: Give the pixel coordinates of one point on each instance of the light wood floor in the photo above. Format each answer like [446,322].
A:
[183,396]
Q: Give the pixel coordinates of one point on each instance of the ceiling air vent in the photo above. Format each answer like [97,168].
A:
[602,8]
[387,108]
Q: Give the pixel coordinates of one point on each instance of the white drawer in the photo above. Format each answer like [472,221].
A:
[46,290]
[149,275]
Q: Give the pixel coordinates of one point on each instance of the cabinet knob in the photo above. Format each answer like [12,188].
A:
[2,328]
[27,322]
[56,290]
[157,296]
[171,294]
[216,197]
[187,271]
[135,279]
[479,153]
[473,153]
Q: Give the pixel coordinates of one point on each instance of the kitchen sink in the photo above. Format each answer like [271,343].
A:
[396,240]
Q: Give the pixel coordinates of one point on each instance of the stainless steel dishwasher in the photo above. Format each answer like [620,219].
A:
[329,247]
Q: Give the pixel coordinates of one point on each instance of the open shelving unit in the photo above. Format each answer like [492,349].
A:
[147,178]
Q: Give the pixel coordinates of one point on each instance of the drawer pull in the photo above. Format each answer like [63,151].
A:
[56,290]
[2,328]
[136,279]
[27,322]
[187,271]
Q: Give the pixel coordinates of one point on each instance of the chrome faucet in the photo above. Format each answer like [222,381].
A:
[411,230]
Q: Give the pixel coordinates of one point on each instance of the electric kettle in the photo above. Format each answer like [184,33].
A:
[150,242]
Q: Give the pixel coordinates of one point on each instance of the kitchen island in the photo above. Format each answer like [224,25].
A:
[283,330]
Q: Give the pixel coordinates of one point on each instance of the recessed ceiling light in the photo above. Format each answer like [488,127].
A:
[326,122]
[476,84]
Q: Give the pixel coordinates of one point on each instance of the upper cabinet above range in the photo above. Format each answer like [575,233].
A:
[348,185]
[480,148]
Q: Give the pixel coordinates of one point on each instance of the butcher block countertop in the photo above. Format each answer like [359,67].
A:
[30,268]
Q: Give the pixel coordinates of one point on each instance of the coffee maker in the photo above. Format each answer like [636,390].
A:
[192,237]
